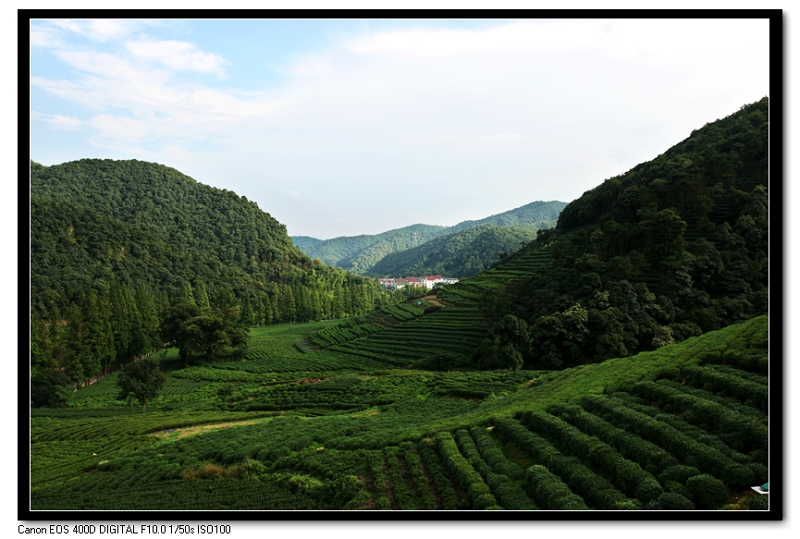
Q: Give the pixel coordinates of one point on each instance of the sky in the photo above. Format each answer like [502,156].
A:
[341,127]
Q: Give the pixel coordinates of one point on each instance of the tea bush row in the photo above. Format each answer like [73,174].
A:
[730,382]
[598,492]
[493,455]
[509,493]
[404,496]
[416,472]
[648,455]
[685,448]
[449,498]
[739,431]
[468,479]
[375,465]
[550,492]
[597,455]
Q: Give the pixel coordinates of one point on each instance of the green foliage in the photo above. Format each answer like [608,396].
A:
[206,332]
[115,243]
[758,503]
[50,388]
[550,492]
[707,491]
[312,428]
[143,379]
[671,501]
[359,253]
[465,474]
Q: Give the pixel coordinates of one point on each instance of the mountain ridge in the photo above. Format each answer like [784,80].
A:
[361,253]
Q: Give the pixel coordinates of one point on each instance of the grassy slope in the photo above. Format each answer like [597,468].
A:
[301,448]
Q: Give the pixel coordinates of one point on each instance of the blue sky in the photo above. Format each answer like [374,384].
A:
[346,127]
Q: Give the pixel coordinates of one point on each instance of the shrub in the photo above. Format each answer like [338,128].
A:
[463,472]
[251,469]
[550,492]
[493,455]
[758,503]
[648,489]
[707,491]
[671,501]
[680,473]
[739,475]
[347,492]
[207,470]
[509,493]
[676,487]
[304,482]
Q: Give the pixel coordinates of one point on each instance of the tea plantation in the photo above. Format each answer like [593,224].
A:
[339,416]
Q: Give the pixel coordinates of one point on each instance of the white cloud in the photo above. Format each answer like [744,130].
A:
[99,30]
[535,109]
[119,128]
[516,37]
[177,55]
[65,122]
[104,64]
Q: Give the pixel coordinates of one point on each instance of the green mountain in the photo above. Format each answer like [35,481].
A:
[458,254]
[110,239]
[360,254]
[534,216]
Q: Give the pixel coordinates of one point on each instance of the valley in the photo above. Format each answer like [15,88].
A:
[619,359]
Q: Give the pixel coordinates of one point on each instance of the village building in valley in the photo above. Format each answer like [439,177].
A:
[427,281]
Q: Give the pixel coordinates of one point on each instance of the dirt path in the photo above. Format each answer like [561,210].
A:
[177,434]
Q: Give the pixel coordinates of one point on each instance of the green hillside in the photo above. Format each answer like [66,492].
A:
[359,253]
[681,428]
[532,217]
[116,244]
[363,254]
[457,254]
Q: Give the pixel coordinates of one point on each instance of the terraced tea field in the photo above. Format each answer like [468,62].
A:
[325,416]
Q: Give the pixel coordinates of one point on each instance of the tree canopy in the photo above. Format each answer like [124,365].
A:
[143,379]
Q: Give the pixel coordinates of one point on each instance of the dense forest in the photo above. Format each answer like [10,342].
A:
[375,254]
[673,248]
[116,244]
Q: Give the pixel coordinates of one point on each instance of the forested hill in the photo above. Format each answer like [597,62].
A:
[188,229]
[137,236]
[675,247]
[534,216]
[360,254]
[460,254]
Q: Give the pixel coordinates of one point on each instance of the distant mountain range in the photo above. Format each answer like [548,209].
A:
[456,253]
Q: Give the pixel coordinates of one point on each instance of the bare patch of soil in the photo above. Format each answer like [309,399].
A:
[197,429]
